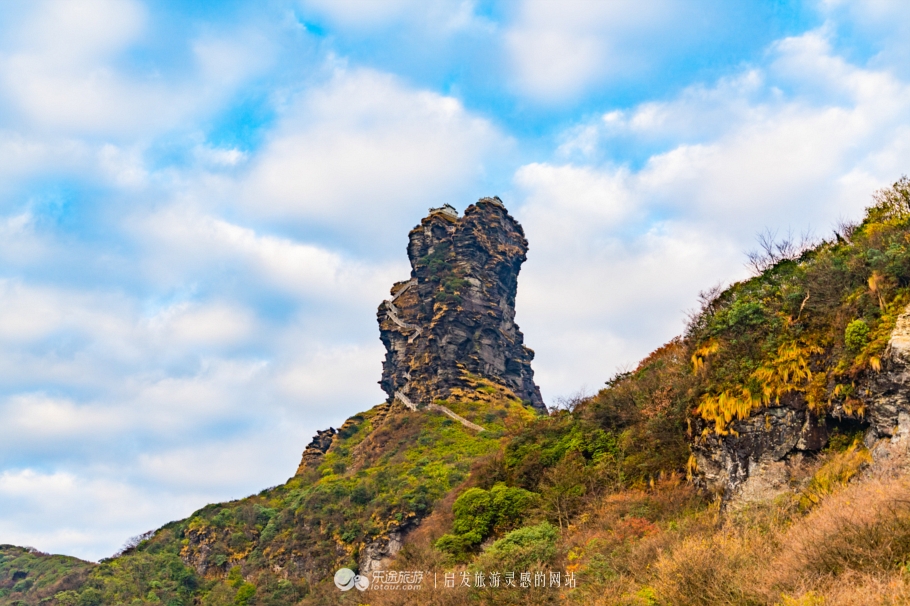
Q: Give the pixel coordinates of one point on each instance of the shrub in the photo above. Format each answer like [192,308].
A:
[521,549]
[856,335]
[865,528]
[479,513]
[245,594]
[705,571]
[835,473]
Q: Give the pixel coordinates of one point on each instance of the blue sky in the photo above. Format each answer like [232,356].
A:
[203,203]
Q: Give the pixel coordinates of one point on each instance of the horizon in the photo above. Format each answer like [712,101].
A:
[203,205]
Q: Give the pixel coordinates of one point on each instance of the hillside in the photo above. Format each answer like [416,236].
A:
[759,458]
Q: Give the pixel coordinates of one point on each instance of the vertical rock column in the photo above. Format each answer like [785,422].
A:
[455,316]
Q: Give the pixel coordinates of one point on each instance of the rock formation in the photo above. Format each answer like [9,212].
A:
[759,460]
[887,395]
[768,450]
[453,322]
[314,451]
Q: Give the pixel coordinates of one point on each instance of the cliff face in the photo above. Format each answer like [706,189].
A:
[453,320]
[887,394]
[809,355]
[769,449]
[765,454]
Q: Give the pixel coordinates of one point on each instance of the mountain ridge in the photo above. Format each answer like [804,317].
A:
[759,458]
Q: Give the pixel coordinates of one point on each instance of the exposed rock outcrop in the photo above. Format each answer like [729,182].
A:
[377,554]
[766,452]
[315,450]
[453,320]
[887,395]
[760,449]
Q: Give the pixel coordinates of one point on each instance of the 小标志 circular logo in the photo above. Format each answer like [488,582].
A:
[346,579]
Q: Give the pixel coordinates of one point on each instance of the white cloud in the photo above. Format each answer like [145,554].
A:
[71,32]
[558,195]
[29,498]
[618,254]
[882,26]
[364,152]
[318,373]
[43,418]
[559,49]
[213,324]
[183,243]
[64,72]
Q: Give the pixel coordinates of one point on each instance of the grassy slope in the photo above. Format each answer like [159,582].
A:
[28,576]
[387,469]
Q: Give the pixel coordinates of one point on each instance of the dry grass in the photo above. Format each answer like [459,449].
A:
[851,549]
[665,546]
[864,528]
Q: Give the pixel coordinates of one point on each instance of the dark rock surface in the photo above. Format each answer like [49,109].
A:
[316,448]
[453,320]
[754,462]
[770,436]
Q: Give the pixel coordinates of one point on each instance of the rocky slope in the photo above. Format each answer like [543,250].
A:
[454,319]
[771,448]
[816,346]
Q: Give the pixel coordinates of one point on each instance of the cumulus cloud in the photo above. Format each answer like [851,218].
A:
[365,153]
[60,71]
[558,50]
[31,497]
[614,247]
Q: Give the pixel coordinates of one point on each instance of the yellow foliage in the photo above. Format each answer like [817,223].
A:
[876,363]
[854,407]
[725,407]
[876,282]
[691,467]
[835,474]
[788,371]
[698,358]
[807,599]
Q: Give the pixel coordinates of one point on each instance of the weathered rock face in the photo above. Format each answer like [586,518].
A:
[454,317]
[314,451]
[887,394]
[757,462]
[766,456]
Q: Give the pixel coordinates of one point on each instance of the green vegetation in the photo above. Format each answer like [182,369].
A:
[810,325]
[479,513]
[521,549]
[386,470]
[29,577]
[856,336]
[595,490]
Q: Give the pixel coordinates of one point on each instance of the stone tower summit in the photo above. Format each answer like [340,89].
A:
[454,319]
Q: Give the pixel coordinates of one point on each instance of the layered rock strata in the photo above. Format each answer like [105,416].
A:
[453,321]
